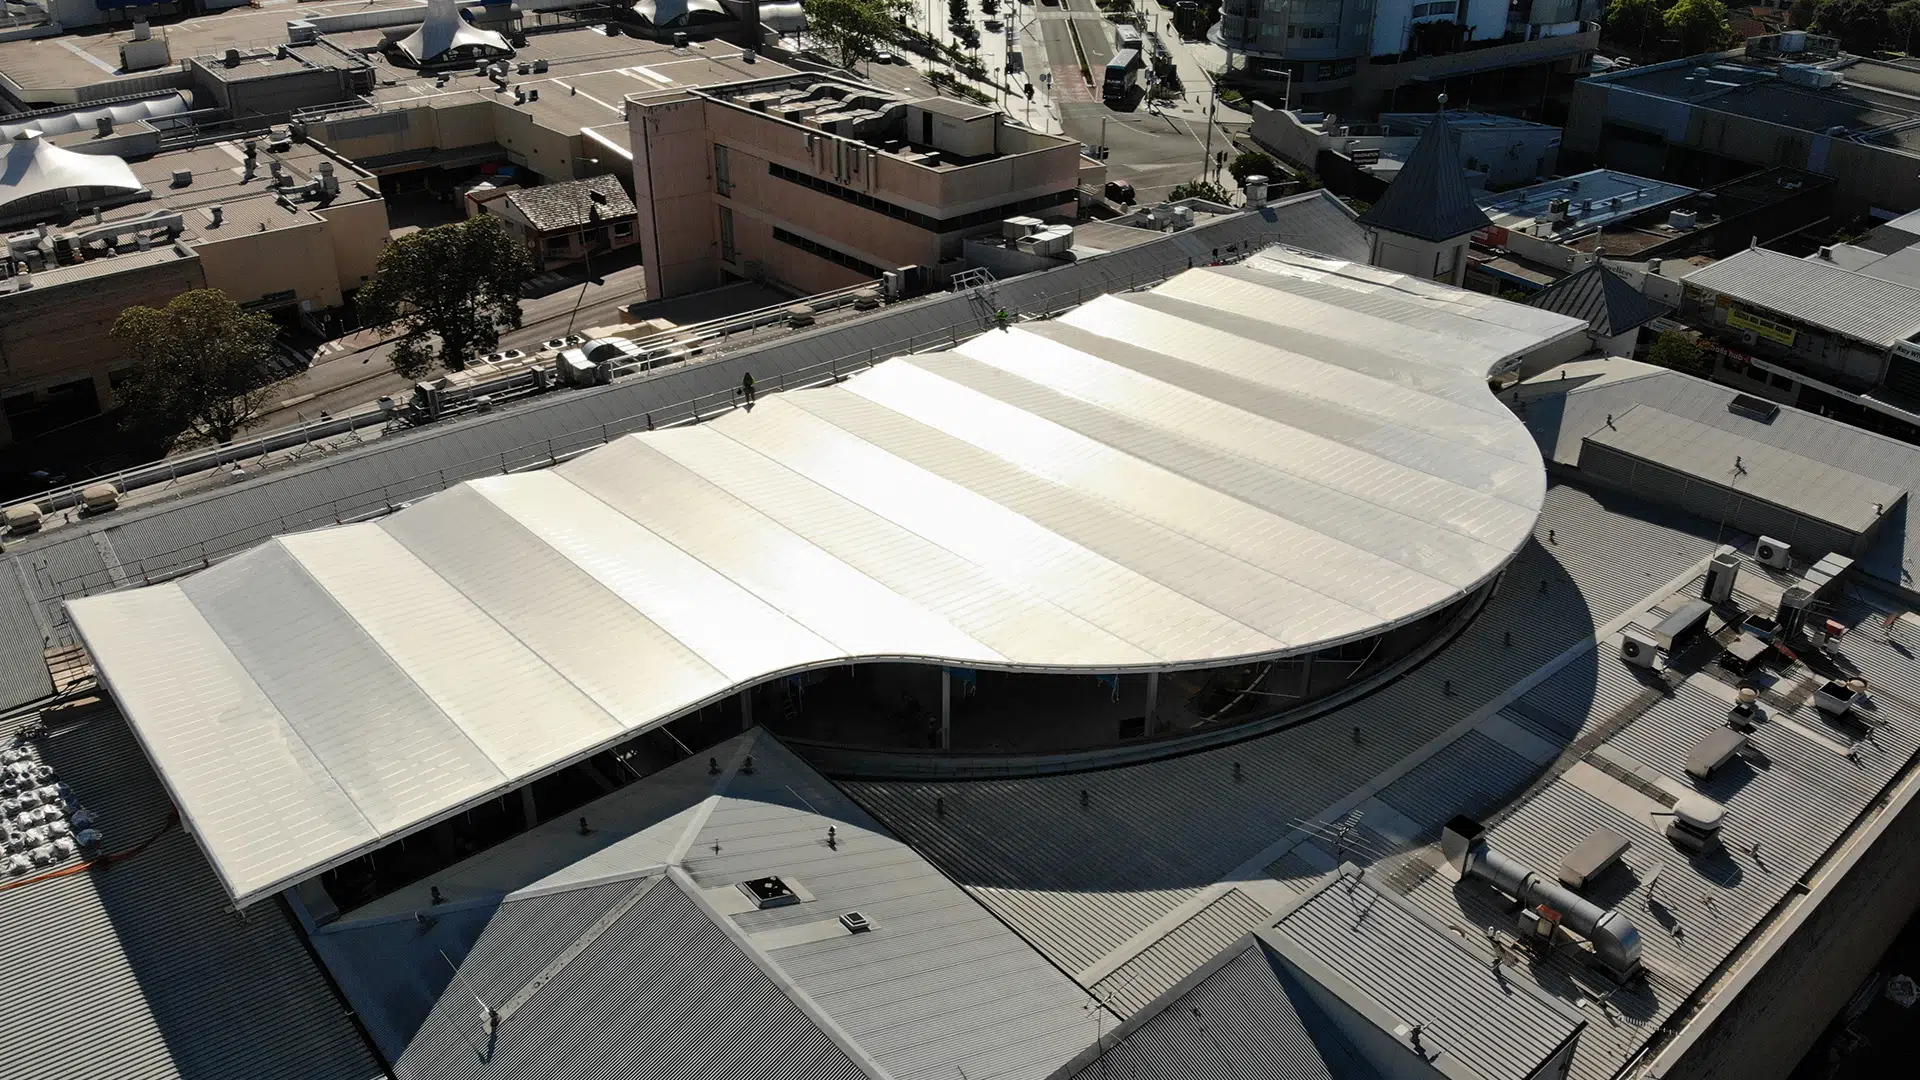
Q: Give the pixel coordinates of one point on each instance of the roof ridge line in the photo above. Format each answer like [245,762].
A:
[841,1039]
[699,820]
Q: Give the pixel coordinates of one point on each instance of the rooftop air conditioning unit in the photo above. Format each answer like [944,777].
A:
[1683,220]
[1771,552]
[1638,649]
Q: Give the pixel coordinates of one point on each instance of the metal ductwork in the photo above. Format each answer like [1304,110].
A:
[1615,940]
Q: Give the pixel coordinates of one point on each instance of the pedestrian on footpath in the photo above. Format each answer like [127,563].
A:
[746,387]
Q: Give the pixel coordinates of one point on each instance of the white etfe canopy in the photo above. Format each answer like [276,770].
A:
[1241,463]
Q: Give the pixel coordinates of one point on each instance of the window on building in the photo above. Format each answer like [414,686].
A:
[557,244]
[722,171]
[623,229]
[932,224]
[851,262]
[728,253]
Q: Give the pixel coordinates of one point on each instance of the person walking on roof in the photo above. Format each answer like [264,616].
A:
[746,387]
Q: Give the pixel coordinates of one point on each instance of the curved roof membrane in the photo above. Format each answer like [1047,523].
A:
[1244,462]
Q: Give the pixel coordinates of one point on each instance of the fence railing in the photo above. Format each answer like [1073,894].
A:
[303,444]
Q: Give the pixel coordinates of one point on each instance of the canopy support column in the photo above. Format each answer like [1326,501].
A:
[1153,697]
[746,709]
[946,708]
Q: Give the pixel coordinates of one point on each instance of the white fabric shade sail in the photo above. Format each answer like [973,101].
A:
[1245,462]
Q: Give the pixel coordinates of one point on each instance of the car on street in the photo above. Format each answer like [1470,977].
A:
[1120,191]
[885,56]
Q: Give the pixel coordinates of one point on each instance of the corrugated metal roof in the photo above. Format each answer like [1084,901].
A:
[1156,488]
[1563,412]
[1242,1017]
[143,972]
[664,991]
[1386,958]
[1080,882]
[1791,804]
[23,656]
[1753,468]
[1602,298]
[937,987]
[1429,198]
[1815,292]
[1173,957]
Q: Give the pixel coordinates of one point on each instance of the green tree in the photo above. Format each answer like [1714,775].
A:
[451,289]
[1701,25]
[849,30]
[199,370]
[1201,189]
[1632,20]
[1801,15]
[1903,25]
[1861,25]
[1260,163]
[1673,349]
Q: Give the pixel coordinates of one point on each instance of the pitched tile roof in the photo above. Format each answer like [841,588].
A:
[565,205]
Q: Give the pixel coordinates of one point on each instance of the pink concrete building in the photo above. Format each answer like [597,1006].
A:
[818,182]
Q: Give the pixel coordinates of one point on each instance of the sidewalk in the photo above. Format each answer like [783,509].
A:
[993,56]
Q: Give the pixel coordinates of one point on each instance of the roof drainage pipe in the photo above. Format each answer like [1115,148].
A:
[1616,941]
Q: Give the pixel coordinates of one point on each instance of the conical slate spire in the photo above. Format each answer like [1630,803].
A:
[1429,200]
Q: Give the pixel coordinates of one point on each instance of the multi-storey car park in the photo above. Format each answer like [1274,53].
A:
[462,788]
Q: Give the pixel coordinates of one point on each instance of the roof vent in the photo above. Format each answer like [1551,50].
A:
[104,125]
[1714,750]
[233,58]
[1696,822]
[769,892]
[216,214]
[855,923]
[182,177]
[1754,408]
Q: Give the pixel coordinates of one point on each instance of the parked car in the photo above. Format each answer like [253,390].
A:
[1120,191]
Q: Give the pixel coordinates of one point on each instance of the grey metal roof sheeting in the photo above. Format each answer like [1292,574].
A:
[1562,412]
[1429,198]
[23,656]
[1241,1017]
[1752,468]
[937,987]
[1242,463]
[1607,302]
[1079,882]
[664,991]
[1815,292]
[1172,958]
[1381,954]
[142,971]
[139,543]
[1795,801]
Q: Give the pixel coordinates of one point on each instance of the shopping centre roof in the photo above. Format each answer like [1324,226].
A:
[1244,462]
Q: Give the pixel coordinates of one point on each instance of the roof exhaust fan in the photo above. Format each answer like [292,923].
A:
[1546,904]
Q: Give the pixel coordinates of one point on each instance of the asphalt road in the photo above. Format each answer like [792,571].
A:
[1153,152]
